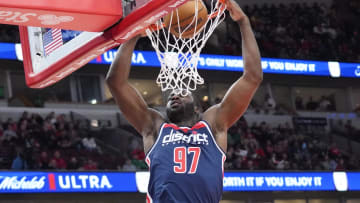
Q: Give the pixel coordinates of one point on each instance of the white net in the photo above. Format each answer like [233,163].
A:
[179,54]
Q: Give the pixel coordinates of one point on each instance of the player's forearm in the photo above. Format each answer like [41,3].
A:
[120,68]
[250,51]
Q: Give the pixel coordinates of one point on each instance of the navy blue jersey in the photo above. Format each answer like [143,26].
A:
[186,165]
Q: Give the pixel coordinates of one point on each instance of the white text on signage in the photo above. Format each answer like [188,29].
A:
[84,182]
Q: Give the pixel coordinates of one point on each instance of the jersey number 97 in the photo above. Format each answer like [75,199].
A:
[180,159]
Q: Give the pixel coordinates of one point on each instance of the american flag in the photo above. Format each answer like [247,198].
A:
[52,40]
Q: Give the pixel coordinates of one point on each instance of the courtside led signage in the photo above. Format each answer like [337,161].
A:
[50,182]
[223,63]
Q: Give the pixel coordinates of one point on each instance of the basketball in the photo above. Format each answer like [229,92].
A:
[183,23]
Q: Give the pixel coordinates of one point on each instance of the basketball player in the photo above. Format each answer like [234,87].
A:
[186,151]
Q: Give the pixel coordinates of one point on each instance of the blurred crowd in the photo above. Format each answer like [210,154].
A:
[50,143]
[302,31]
[325,103]
[260,147]
[53,143]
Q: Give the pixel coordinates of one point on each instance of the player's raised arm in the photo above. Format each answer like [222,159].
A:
[238,97]
[127,97]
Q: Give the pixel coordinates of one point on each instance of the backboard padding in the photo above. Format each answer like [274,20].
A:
[68,60]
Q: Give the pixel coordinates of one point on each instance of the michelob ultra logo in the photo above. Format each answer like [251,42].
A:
[22,182]
[83,182]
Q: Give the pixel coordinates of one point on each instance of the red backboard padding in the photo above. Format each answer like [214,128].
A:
[133,24]
[84,15]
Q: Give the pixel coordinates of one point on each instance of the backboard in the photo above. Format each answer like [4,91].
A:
[103,25]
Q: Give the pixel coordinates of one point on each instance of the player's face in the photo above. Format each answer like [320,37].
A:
[179,106]
[176,101]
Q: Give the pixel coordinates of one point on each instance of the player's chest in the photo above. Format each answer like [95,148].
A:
[178,137]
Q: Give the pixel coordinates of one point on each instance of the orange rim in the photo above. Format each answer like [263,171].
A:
[154,27]
[221,9]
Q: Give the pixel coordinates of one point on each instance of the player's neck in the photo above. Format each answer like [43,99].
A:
[186,123]
[189,122]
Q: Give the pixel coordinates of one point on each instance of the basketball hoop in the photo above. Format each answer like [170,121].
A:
[49,54]
[179,56]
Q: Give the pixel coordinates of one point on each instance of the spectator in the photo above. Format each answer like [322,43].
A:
[138,163]
[250,165]
[340,165]
[269,147]
[333,165]
[43,161]
[325,164]
[357,110]
[128,166]
[240,151]
[238,163]
[334,150]
[283,164]
[273,162]
[349,129]
[64,142]
[1,132]
[90,165]
[353,162]
[319,29]
[52,165]
[24,117]
[75,140]
[138,153]
[73,164]
[299,103]
[325,104]
[51,118]
[311,105]
[9,132]
[135,143]
[338,127]
[89,143]
[59,161]
[269,102]
[19,163]
[230,158]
